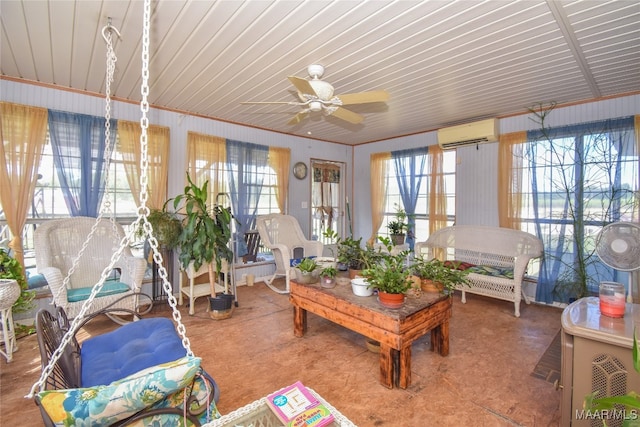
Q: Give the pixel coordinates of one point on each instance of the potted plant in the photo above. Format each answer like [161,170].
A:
[307,271]
[390,276]
[438,276]
[356,257]
[11,269]
[166,227]
[398,227]
[205,235]
[328,277]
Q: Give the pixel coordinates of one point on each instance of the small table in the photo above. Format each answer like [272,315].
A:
[258,413]
[395,329]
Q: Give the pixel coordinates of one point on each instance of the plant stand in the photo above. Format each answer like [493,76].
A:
[194,291]
[9,294]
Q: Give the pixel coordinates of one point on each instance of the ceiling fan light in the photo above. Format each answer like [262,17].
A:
[323,89]
[315,106]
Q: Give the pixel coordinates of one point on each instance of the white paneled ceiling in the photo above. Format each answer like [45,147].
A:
[442,62]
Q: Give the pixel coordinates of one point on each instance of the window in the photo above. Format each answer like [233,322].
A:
[427,178]
[48,201]
[240,176]
[576,180]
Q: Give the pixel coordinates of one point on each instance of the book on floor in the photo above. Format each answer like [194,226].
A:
[296,406]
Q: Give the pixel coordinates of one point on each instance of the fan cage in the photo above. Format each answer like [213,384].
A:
[618,246]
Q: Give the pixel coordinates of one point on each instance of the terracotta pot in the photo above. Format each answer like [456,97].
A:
[429,285]
[391,300]
[354,273]
[398,239]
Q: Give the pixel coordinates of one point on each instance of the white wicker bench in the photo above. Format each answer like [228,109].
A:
[502,251]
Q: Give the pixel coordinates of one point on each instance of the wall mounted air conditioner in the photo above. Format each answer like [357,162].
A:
[468,134]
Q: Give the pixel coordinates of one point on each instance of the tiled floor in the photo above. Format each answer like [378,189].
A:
[485,381]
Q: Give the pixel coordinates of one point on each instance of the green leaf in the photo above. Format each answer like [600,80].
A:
[636,360]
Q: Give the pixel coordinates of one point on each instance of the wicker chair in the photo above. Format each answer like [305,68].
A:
[283,236]
[58,243]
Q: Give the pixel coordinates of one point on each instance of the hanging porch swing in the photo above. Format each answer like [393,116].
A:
[142,373]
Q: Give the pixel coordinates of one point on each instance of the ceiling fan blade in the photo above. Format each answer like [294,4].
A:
[364,97]
[350,116]
[298,117]
[302,85]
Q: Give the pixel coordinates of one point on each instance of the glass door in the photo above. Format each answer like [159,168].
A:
[328,198]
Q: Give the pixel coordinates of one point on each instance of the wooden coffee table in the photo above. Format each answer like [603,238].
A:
[394,329]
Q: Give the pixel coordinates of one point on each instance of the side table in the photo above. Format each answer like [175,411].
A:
[258,413]
[9,294]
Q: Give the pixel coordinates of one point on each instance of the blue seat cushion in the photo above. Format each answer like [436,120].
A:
[36,281]
[130,348]
[109,288]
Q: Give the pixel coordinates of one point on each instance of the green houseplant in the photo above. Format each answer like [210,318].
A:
[445,276]
[328,277]
[307,271]
[352,254]
[389,275]
[10,268]
[398,227]
[355,256]
[166,227]
[206,231]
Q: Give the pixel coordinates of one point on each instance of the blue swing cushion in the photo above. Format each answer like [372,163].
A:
[130,348]
[109,288]
[107,404]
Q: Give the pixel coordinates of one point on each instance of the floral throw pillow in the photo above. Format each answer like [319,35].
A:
[200,391]
[107,404]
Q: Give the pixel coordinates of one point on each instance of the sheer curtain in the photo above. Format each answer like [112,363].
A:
[409,166]
[206,159]
[130,149]
[246,166]
[510,161]
[378,185]
[78,143]
[23,131]
[437,190]
[636,205]
[280,161]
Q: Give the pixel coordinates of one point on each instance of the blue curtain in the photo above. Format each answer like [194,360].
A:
[588,161]
[247,165]
[78,143]
[409,166]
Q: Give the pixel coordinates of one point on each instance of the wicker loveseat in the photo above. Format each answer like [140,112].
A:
[497,257]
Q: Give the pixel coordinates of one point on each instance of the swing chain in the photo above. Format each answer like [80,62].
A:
[143,210]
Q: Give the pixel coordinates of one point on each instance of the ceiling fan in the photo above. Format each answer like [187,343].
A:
[317,95]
